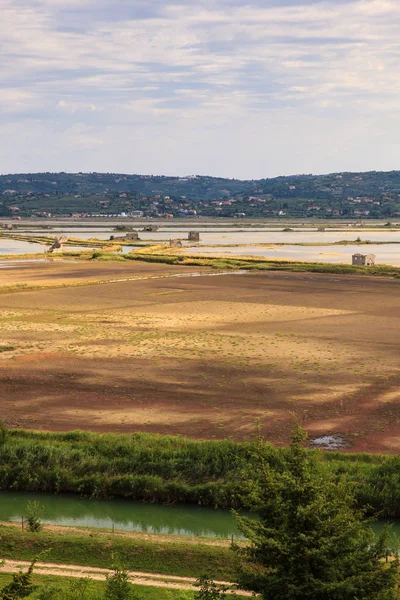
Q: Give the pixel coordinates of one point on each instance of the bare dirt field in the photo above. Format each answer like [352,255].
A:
[51,272]
[202,356]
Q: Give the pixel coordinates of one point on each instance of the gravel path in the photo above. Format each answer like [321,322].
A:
[97,573]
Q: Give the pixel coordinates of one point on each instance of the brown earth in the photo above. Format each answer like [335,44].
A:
[52,271]
[203,356]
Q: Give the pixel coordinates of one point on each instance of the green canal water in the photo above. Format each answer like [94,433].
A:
[71,510]
[125,515]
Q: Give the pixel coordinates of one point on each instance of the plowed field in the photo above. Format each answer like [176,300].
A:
[205,356]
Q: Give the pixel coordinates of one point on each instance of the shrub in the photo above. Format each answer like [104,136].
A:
[117,584]
[34,512]
[209,590]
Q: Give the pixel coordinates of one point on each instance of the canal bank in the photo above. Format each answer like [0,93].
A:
[167,555]
[70,510]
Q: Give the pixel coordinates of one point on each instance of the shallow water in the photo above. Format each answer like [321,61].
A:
[182,519]
[218,241]
[389,255]
[9,246]
[123,514]
[226,235]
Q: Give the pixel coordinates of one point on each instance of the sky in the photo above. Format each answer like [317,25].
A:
[231,88]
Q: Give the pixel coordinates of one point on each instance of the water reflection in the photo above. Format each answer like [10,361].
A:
[389,254]
[183,519]
[123,514]
[242,242]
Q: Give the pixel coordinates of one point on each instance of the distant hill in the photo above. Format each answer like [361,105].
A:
[361,195]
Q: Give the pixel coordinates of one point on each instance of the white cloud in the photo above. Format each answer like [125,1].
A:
[73,107]
[192,68]
[14,100]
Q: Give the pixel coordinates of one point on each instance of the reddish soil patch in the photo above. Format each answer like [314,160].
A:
[205,357]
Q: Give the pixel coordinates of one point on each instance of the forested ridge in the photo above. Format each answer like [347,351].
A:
[349,195]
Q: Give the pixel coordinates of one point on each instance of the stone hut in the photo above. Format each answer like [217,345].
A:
[151,228]
[321,229]
[133,235]
[129,236]
[175,243]
[363,260]
[194,236]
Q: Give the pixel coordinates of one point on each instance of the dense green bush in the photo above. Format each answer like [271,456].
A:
[170,469]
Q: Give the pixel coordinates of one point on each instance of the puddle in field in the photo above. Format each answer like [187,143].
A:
[330,442]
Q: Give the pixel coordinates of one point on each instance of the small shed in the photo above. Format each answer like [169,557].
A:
[194,236]
[133,235]
[363,260]
[151,228]
[175,243]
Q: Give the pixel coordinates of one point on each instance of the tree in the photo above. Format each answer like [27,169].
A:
[21,585]
[311,542]
[117,584]
[34,512]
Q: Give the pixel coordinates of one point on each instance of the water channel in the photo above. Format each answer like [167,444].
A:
[226,235]
[125,515]
[242,242]
[128,515]
[385,254]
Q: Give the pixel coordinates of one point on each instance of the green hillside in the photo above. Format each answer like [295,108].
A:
[337,195]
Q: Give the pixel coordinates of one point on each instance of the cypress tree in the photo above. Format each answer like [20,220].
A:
[311,542]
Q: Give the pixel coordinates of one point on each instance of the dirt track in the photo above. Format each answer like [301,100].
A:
[205,356]
[99,574]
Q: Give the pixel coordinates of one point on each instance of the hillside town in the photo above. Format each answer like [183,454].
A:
[357,196]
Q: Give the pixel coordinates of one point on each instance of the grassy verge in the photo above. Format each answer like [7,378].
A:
[96,590]
[170,469]
[161,255]
[46,240]
[94,549]
[256,264]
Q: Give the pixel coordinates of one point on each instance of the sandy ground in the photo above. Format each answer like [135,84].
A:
[203,356]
